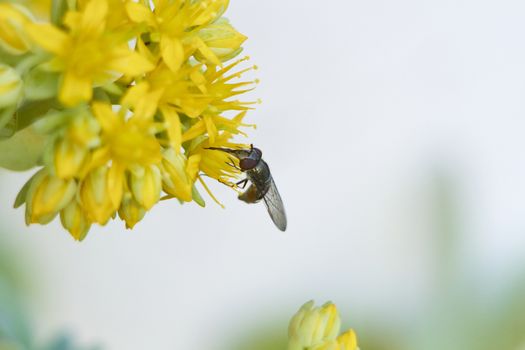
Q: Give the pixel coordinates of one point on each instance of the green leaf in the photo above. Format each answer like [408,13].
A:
[40,84]
[6,115]
[58,10]
[32,111]
[22,195]
[22,151]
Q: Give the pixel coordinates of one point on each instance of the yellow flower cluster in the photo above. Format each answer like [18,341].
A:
[129,95]
[317,328]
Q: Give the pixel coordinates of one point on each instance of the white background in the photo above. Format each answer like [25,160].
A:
[366,105]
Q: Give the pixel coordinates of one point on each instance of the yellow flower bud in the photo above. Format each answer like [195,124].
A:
[317,328]
[179,174]
[75,221]
[223,40]
[347,340]
[130,211]
[95,196]
[312,327]
[46,196]
[146,186]
[72,152]
[69,158]
[10,85]
[13,38]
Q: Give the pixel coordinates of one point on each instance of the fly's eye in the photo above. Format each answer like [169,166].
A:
[247,163]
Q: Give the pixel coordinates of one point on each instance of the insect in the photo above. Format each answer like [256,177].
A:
[262,185]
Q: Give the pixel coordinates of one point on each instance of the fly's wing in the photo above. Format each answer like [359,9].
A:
[275,206]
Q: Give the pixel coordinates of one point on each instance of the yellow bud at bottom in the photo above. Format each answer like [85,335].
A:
[347,340]
[146,186]
[74,220]
[95,196]
[130,211]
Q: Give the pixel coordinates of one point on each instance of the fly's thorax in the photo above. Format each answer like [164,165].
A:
[261,177]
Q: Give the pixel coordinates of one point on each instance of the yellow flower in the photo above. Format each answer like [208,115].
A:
[201,93]
[217,85]
[316,328]
[217,165]
[175,25]
[127,144]
[13,37]
[86,54]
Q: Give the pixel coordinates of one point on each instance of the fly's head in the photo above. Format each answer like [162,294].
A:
[248,159]
[251,160]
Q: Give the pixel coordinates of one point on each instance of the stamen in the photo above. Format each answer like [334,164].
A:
[209,192]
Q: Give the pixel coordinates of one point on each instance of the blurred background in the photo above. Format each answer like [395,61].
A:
[394,130]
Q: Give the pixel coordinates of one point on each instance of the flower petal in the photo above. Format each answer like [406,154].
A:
[75,89]
[129,63]
[94,16]
[139,13]
[172,52]
[173,127]
[105,116]
[48,37]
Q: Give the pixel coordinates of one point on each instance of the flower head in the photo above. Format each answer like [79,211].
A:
[316,328]
[128,96]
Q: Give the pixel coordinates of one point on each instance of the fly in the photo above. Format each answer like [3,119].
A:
[262,185]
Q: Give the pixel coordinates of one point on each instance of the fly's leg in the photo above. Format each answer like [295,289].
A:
[232,164]
[242,183]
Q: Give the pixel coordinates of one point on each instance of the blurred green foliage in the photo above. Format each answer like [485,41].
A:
[15,329]
[458,315]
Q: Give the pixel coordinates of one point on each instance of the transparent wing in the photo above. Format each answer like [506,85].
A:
[275,206]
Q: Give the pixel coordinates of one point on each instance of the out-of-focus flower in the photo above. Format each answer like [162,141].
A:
[41,8]
[86,53]
[13,37]
[317,328]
